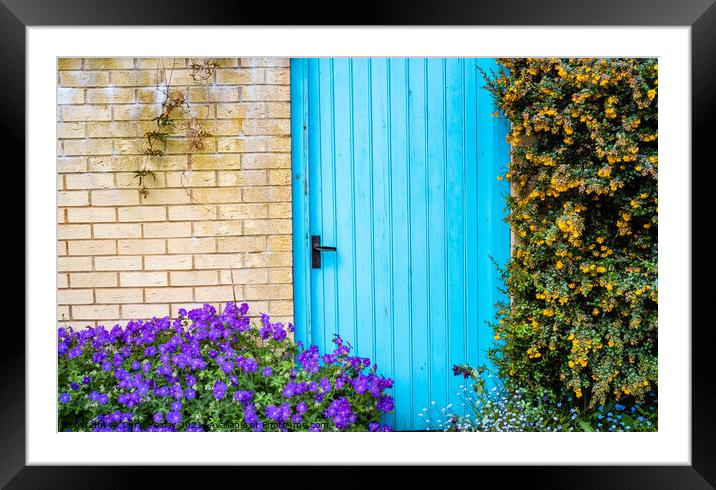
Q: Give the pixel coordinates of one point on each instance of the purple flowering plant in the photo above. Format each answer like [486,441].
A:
[213,371]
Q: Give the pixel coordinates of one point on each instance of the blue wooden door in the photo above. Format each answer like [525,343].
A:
[395,164]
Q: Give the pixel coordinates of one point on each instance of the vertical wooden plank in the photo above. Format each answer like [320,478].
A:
[471,134]
[420,299]
[456,224]
[300,198]
[315,170]
[401,246]
[436,235]
[362,184]
[382,349]
[345,255]
[326,201]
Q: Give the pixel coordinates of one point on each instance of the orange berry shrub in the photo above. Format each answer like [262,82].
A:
[582,278]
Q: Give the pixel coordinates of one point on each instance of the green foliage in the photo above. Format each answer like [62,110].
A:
[582,278]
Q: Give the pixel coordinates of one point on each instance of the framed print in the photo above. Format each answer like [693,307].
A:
[414,229]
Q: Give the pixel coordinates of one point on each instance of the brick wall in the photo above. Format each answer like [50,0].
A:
[122,256]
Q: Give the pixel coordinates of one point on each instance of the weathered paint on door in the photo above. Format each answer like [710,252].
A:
[395,164]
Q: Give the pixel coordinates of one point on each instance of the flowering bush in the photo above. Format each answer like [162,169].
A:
[211,371]
[582,321]
[505,408]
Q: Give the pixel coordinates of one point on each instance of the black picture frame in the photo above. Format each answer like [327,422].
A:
[700,15]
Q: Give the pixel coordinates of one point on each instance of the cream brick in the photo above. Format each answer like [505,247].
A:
[181,145]
[87,147]
[113,129]
[191,179]
[83,78]
[135,78]
[159,63]
[69,64]
[192,212]
[220,195]
[71,130]
[268,291]
[126,180]
[74,264]
[141,247]
[194,278]
[61,215]
[279,210]
[91,215]
[75,296]
[264,93]
[191,245]
[279,177]
[254,144]
[169,295]
[143,279]
[115,197]
[215,94]
[149,96]
[167,230]
[267,259]
[62,280]
[283,275]
[217,228]
[61,248]
[166,196]
[254,110]
[129,146]
[72,164]
[267,226]
[93,280]
[72,198]
[224,127]
[117,230]
[244,76]
[134,112]
[265,62]
[118,295]
[108,63]
[113,164]
[265,160]
[94,312]
[70,95]
[168,262]
[142,213]
[217,261]
[143,311]
[89,181]
[119,263]
[244,276]
[99,112]
[209,294]
[242,244]
[267,194]
[92,247]
[243,211]
[73,232]
[259,127]
[215,162]
[110,95]
[242,177]
[281,308]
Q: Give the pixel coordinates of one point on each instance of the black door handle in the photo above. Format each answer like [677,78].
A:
[316,249]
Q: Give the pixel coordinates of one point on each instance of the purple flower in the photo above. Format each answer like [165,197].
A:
[267,371]
[64,397]
[174,417]
[158,417]
[74,386]
[86,380]
[176,406]
[301,407]
[190,393]
[219,389]
[243,396]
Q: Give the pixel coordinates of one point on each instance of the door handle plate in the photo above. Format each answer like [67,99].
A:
[316,249]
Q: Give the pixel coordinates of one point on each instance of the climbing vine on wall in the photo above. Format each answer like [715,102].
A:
[582,321]
[174,104]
